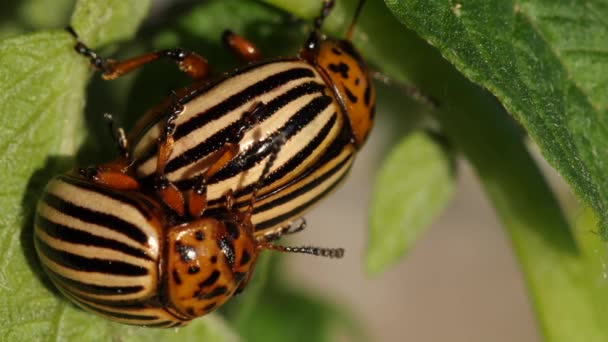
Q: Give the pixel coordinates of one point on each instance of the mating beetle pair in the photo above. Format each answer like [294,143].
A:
[172,229]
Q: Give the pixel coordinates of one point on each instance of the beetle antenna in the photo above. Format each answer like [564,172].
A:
[327,7]
[318,251]
[351,27]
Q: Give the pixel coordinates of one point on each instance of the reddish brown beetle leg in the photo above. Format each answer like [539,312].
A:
[197,202]
[110,175]
[189,62]
[245,50]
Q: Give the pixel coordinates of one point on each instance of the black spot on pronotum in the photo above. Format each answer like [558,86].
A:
[193,269]
[186,253]
[341,69]
[351,97]
[211,279]
[357,80]
[213,259]
[209,307]
[218,291]
[176,277]
[367,95]
[232,229]
[227,247]
[190,311]
[336,51]
[199,235]
[245,258]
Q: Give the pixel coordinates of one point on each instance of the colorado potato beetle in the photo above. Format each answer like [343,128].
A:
[119,253]
[173,228]
[321,100]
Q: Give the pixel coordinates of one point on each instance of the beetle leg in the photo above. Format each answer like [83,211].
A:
[167,191]
[118,133]
[197,201]
[286,230]
[189,62]
[279,141]
[171,196]
[112,175]
[245,50]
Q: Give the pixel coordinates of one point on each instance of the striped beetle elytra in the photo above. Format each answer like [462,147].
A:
[210,177]
[116,252]
[321,100]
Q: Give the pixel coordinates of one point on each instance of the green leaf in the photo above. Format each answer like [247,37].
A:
[28,15]
[101,22]
[41,98]
[413,185]
[543,60]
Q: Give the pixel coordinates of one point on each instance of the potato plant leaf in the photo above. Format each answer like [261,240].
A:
[413,185]
[102,22]
[543,60]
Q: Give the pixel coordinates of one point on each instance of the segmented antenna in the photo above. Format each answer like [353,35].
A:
[318,251]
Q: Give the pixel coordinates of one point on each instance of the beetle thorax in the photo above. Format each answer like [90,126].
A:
[346,71]
[206,261]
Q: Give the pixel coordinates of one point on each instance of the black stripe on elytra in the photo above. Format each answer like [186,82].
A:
[94,217]
[293,162]
[135,303]
[71,235]
[164,324]
[204,89]
[303,189]
[123,315]
[344,138]
[332,151]
[94,289]
[295,212]
[297,122]
[116,195]
[218,139]
[238,99]
[80,263]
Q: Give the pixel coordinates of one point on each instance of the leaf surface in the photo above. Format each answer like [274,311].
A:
[413,185]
